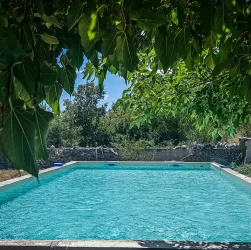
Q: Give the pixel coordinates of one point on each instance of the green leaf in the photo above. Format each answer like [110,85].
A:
[108,43]
[3,21]
[155,102]
[207,14]
[246,88]
[219,21]
[49,39]
[27,37]
[101,9]
[211,40]
[235,70]
[4,75]
[161,46]
[181,8]
[206,120]
[232,133]
[209,61]
[132,4]
[126,53]
[40,95]
[18,135]
[21,92]
[88,30]
[214,134]
[89,71]
[102,76]
[3,18]
[26,73]
[147,20]
[175,18]
[67,78]
[42,119]
[113,70]
[75,13]
[10,47]
[53,93]
[225,49]
[77,52]
[182,45]
[123,72]
[43,51]
[92,55]
[51,20]
[48,74]
[112,59]
[119,22]
[221,66]
[60,4]
[196,46]
[65,60]
[220,133]
[231,5]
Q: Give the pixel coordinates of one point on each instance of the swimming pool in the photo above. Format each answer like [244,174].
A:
[129,202]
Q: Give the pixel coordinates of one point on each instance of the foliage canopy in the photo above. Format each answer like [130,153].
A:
[82,121]
[218,101]
[86,122]
[43,42]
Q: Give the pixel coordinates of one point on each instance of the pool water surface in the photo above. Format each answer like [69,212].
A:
[128,203]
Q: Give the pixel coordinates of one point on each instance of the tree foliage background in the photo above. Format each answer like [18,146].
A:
[42,43]
[113,128]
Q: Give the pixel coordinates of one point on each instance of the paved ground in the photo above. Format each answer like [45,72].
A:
[9,174]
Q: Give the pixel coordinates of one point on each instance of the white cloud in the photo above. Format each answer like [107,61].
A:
[78,71]
[106,97]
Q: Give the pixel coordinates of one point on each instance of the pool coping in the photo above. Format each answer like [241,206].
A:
[12,182]
[119,244]
[232,172]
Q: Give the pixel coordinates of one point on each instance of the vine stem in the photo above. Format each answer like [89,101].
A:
[10,102]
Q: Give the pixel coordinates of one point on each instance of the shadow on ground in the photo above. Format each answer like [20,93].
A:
[194,245]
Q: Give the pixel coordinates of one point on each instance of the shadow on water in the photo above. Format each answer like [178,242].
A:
[194,245]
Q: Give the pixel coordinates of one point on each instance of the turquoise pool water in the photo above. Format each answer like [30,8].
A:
[128,203]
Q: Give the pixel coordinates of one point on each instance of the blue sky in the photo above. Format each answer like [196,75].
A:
[114,87]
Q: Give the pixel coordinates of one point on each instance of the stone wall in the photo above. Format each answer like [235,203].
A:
[64,155]
[224,156]
[157,154]
[168,154]
[200,153]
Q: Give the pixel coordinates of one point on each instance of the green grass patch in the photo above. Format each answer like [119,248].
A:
[244,169]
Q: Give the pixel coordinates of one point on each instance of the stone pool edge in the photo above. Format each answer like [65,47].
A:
[19,180]
[118,244]
[236,175]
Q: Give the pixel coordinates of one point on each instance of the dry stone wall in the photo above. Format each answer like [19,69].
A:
[224,155]
[199,153]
